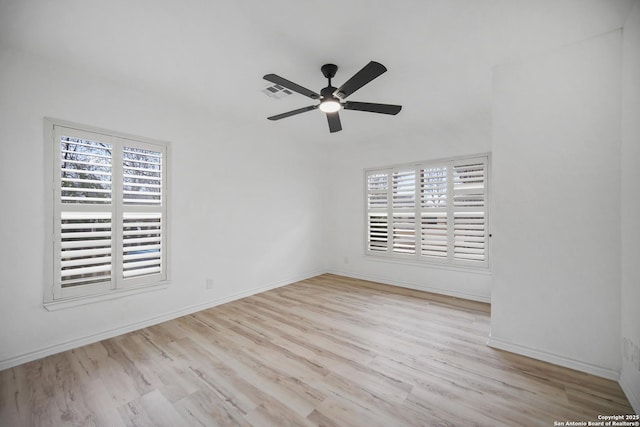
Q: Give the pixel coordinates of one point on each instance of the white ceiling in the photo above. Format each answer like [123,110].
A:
[439,53]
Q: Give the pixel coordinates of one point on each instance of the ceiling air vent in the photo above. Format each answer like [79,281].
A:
[276,91]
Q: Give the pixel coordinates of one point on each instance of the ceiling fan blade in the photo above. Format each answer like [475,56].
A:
[273,78]
[369,72]
[372,107]
[334,122]
[293,112]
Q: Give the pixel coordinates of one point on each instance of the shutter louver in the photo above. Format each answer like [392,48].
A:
[85,256]
[434,234]
[433,187]
[432,212]
[404,233]
[433,217]
[404,189]
[85,171]
[403,194]
[85,248]
[378,232]
[377,188]
[469,243]
[142,244]
[469,217]
[377,217]
[109,213]
[142,230]
[142,176]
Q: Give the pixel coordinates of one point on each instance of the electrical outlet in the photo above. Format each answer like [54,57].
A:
[209,284]
[631,352]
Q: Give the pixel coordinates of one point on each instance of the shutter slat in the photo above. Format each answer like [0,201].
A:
[84,270]
[133,242]
[93,235]
[104,166]
[130,265]
[81,253]
[86,261]
[141,272]
[95,278]
[85,244]
[143,185]
[129,151]
[92,225]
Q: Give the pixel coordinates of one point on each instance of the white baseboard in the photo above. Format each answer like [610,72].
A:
[555,359]
[633,398]
[78,342]
[409,285]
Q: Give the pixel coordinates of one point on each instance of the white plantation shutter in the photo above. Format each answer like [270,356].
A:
[109,213]
[469,224]
[377,212]
[85,169]
[142,176]
[85,248]
[431,212]
[142,244]
[142,221]
[84,243]
[404,233]
[433,215]
[403,189]
[403,201]
[378,235]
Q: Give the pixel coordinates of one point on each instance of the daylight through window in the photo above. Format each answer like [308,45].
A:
[431,212]
[109,213]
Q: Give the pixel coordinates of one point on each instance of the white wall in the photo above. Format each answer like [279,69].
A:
[237,215]
[556,206]
[345,214]
[555,297]
[630,375]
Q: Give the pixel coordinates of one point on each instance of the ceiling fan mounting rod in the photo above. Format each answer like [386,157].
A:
[329,71]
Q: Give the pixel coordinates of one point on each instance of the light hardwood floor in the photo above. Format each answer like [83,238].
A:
[328,351]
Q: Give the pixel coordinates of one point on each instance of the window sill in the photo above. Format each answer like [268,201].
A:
[482,270]
[113,294]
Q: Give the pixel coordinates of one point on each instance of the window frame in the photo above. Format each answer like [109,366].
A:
[55,295]
[417,258]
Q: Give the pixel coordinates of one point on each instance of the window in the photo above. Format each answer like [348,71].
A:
[429,212]
[107,212]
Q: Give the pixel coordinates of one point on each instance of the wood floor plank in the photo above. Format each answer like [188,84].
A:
[203,408]
[327,351]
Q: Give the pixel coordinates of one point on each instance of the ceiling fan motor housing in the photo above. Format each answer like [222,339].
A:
[327,92]
[329,70]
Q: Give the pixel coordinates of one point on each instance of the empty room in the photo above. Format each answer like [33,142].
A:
[338,213]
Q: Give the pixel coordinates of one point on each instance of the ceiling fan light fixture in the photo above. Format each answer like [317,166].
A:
[330,105]
[333,99]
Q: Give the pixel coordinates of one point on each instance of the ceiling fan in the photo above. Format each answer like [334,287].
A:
[332,99]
